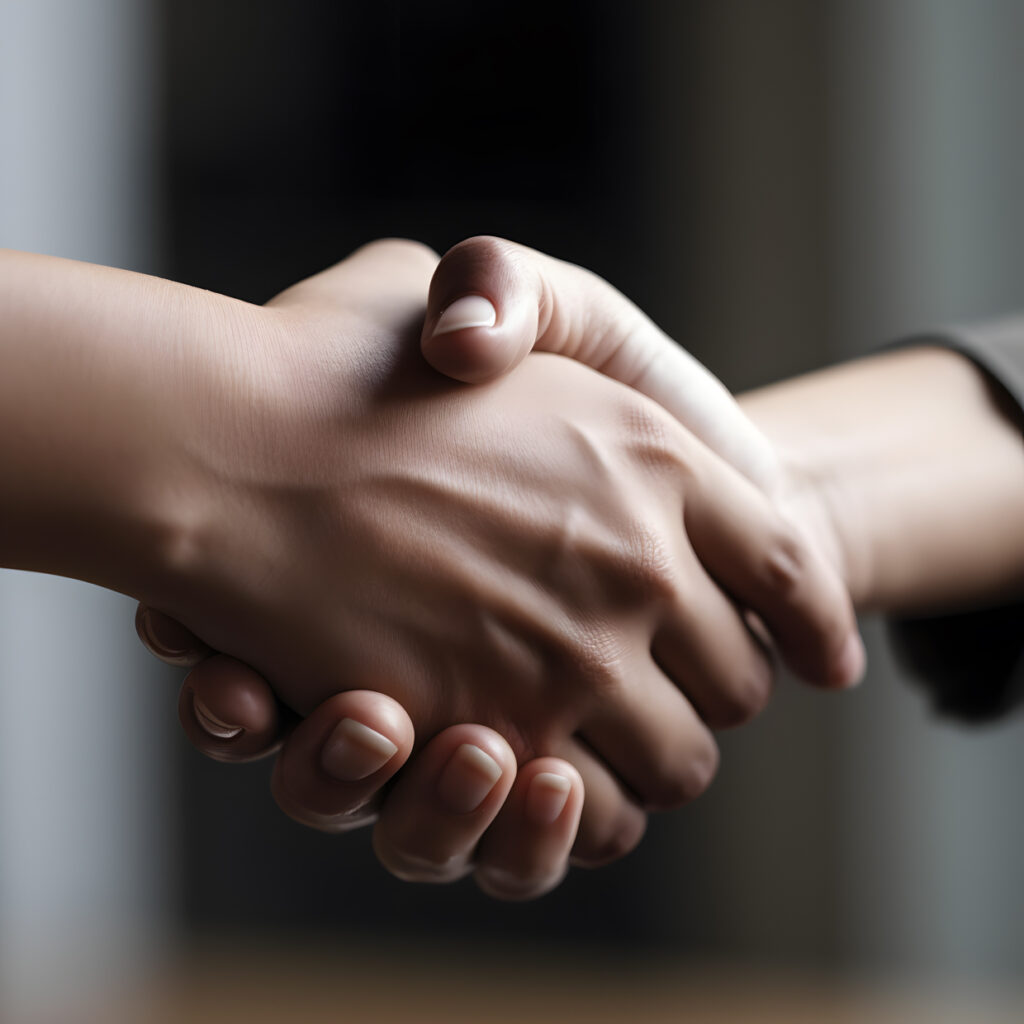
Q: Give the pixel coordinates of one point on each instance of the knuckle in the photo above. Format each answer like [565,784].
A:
[785,566]
[598,659]
[629,565]
[732,710]
[816,604]
[651,437]
[677,785]
[405,249]
[650,566]
[746,698]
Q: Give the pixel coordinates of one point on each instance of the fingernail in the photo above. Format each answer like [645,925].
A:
[469,311]
[467,779]
[353,751]
[211,723]
[546,797]
[165,637]
[852,662]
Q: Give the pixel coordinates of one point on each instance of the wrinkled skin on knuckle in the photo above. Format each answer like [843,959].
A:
[534,694]
[650,437]
[595,665]
[649,566]
[616,557]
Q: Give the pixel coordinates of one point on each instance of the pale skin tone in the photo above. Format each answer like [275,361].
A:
[552,555]
[855,456]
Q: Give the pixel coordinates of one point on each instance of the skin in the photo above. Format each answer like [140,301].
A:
[550,305]
[861,487]
[909,465]
[551,555]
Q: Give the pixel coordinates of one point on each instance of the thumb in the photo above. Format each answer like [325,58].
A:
[484,309]
[492,302]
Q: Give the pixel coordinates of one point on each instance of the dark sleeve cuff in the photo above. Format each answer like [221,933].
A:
[972,663]
[996,347]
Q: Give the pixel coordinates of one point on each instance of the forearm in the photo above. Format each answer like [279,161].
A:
[104,378]
[914,465]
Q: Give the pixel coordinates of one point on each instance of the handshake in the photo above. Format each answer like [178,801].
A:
[482,555]
[511,612]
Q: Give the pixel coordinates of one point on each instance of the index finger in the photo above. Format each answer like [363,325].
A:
[772,564]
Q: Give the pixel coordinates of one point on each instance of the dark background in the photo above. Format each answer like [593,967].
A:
[297,131]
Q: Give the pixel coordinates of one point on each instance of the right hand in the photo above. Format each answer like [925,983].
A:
[493,301]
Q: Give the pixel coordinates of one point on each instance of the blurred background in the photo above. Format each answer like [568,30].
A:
[780,185]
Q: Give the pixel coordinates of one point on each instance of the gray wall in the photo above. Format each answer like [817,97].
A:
[927,172]
[83,773]
[860,170]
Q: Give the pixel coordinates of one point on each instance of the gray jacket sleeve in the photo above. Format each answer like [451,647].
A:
[972,663]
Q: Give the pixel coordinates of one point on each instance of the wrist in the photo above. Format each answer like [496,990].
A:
[108,401]
[913,472]
[258,442]
[229,406]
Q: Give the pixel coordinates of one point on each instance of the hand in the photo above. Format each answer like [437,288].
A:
[463,558]
[334,768]
[404,525]
[493,301]
[594,280]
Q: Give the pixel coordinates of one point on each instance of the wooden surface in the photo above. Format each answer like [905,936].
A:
[310,984]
